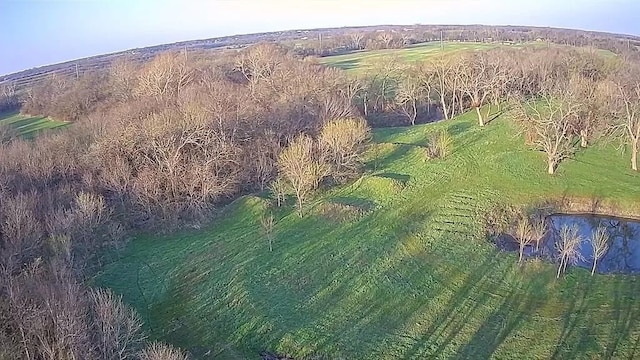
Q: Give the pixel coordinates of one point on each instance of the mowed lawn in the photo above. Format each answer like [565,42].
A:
[362,60]
[412,277]
[29,126]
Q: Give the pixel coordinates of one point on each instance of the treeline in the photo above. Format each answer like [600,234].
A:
[393,37]
[153,146]
[564,98]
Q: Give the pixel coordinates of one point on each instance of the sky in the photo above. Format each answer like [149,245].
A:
[41,32]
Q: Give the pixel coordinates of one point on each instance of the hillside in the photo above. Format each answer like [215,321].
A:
[397,268]
[28,126]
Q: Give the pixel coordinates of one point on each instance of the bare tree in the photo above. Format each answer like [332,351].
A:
[357,40]
[385,72]
[627,110]
[343,142]
[591,111]
[300,166]
[539,230]
[165,76]
[386,38]
[267,229]
[440,75]
[550,118]
[259,63]
[477,80]
[409,95]
[568,247]
[523,233]
[160,351]
[279,187]
[118,329]
[599,244]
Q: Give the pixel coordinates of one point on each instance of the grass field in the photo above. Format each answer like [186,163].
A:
[29,126]
[413,277]
[361,60]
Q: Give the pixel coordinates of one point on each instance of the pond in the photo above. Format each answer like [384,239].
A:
[621,256]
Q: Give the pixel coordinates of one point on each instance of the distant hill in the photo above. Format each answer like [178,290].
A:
[608,41]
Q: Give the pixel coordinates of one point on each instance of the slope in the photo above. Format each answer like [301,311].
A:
[411,277]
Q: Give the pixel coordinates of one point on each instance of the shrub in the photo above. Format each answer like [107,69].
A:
[439,146]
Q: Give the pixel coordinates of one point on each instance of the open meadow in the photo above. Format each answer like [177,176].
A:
[395,265]
[28,126]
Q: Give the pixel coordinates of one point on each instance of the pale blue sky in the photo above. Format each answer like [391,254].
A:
[34,33]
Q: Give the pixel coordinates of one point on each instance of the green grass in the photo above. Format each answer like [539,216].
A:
[29,126]
[360,60]
[412,278]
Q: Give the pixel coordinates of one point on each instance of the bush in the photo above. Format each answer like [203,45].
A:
[439,146]
[342,142]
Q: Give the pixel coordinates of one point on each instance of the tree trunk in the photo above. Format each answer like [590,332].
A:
[595,262]
[634,155]
[521,253]
[415,113]
[444,107]
[583,139]
[480,118]
[559,268]
[299,205]
[551,168]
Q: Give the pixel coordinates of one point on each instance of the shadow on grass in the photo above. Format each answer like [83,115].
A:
[400,151]
[505,319]
[401,178]
[360,203]
[345,64]
[466,301]
[458,128]
[625,320]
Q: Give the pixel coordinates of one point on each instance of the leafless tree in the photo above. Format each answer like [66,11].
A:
[478,78]
[538,230]
[409,95]
[385,72]
[627,109]
[267,229]
[357,40]
[599,244]
[300,166]
[591,107]
[279,187]
[160,351]
[119,334]
[165,76]
[549,117]
[568,247]
[343,141]
[523,233]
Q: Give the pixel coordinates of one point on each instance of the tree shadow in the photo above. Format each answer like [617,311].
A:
[358,202]
[493,116]
[401,178]
[348,64]
[453,317]
[515,308]
[400,151]
[625,318]
[458,128]
[574,337]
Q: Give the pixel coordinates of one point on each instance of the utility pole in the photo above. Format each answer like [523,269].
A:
[77,72]
[441,43]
